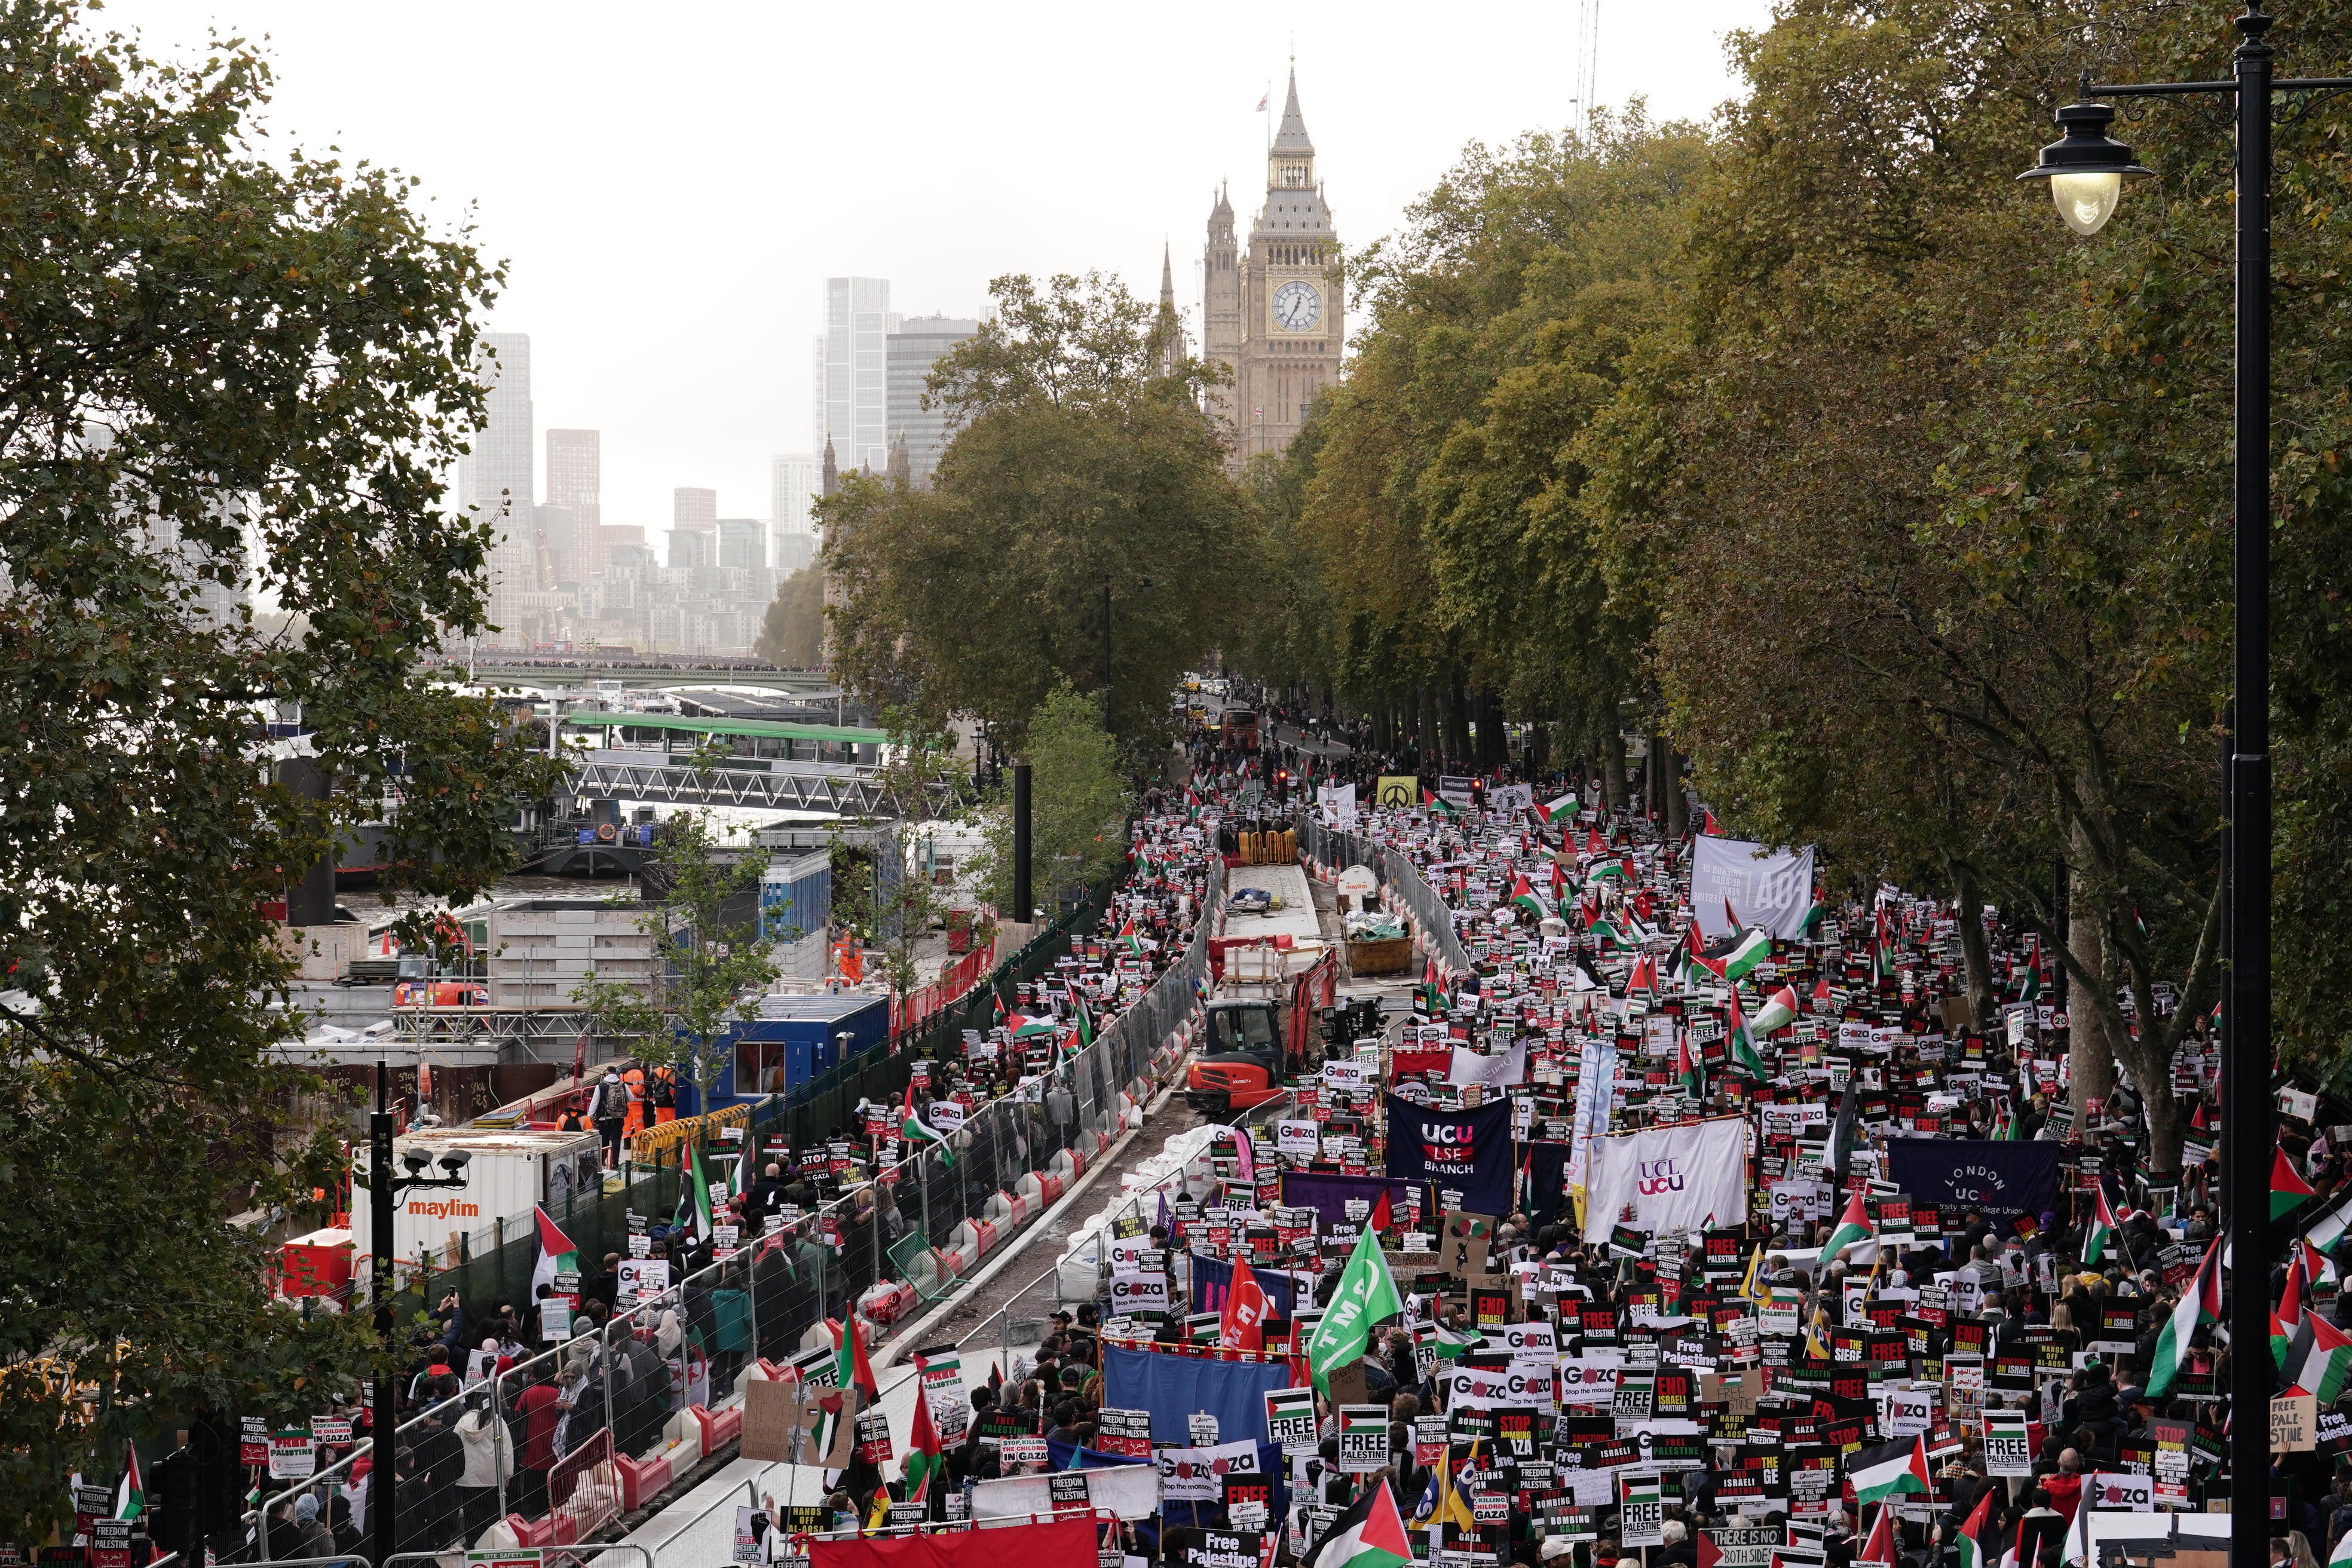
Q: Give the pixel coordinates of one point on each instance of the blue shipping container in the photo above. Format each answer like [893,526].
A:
[780,1054]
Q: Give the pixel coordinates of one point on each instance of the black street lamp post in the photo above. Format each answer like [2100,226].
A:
[384,1193]
[2086,170]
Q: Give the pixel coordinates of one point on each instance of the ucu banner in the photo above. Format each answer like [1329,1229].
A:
[1668,1179]
[1468,1152]
[1654,1177]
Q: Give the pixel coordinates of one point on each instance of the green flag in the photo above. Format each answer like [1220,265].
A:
[1366,1294]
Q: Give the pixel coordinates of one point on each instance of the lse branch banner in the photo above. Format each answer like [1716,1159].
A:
[1468,1152]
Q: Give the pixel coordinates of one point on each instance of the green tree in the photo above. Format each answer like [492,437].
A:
[792,634]
[880,891]
[1083,479]
[1078,806]
[220,375]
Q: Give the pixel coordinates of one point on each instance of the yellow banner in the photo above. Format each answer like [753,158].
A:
[1397,791]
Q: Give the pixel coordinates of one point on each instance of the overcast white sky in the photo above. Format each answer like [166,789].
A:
[669,185]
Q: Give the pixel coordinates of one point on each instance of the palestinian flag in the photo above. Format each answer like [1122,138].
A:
[1547,810]
[2324,1236]
[2343,1553]
[1853,1227]
[2029,990]
[1780,1011]
[1594,844]
[1086,1023]
[1880,1546]
[1608,933]
[2288,1320]
[1611,869]
[556,1253]
[2199,1304]
[1972,1548]
[1882,952]
[1688,1072]
[1452,1346]
[1525,898]
[923,1459]
[1822,1000]
[1126,936]
[2100,1233]
[1733,954]
[694,1203]
[1740,1041]
[1814,916]
[1432,995]
[919,1135]
[2288,1187]
[130,1493]
[1644,976]
[1370,1534]
[1028,1026]
[2320,1360]
[1443,806]
[853,1375]
[1889,1471]
[1708,829]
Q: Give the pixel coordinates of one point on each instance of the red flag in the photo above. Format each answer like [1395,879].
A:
[1880,1548]
[1383,1218]
[1242,1326]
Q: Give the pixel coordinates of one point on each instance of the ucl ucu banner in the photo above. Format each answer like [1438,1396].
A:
[1468,1152]
[1652,1177]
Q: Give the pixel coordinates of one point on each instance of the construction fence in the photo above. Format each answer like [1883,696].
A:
[1432,918]
[561,1446]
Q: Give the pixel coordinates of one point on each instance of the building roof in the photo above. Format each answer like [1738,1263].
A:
[765,727]
[1292,136]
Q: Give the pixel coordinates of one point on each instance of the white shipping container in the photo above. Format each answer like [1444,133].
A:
[509,1174]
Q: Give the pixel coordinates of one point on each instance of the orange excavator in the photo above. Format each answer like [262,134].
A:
[1251,1045]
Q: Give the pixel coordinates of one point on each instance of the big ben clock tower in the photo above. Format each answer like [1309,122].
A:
[1275,314]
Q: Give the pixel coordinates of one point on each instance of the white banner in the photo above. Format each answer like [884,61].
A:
[1196,1475]
[1668,1179]
[1595,1087]
[1130,1491]
[1501,1069]
[1771,890]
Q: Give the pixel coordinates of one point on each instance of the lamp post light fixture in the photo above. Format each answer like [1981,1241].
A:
[2086,170]
[384,1191]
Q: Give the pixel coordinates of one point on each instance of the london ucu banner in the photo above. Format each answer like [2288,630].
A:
[1668,1179]
[1468,1152]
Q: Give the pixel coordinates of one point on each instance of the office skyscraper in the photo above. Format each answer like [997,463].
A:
[913,349]
[574,469]
[494,479]
[793,480]
[850,400]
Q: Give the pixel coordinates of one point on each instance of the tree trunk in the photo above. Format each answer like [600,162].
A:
[1974,959]
[1457,721]
[1612,768]
[1677,801]
[2090,1044]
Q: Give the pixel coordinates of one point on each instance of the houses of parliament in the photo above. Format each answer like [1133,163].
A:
[1273,314]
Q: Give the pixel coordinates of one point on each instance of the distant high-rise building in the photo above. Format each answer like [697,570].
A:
[695,509]
[494,479]
[913,350]
[740,543]
[574,482]
[851,402]
[560,545]
[791,526]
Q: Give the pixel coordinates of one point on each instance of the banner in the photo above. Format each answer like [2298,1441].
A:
[1130,1491]
[1668,1179]
[1173,1387]
[1771,890]
[1327,1195]
[1397,791]
[1501,1069]
[1596,1085]
[1063,1543]
[1212,1277]
[1468,1152]
[1996,1177]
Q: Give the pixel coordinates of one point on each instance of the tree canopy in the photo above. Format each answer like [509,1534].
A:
[220,375]
[1812,441]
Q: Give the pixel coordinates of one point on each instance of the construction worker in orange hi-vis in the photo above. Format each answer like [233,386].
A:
[665,1093]
[634,1122]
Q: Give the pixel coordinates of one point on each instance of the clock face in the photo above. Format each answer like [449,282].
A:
[1296,307]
